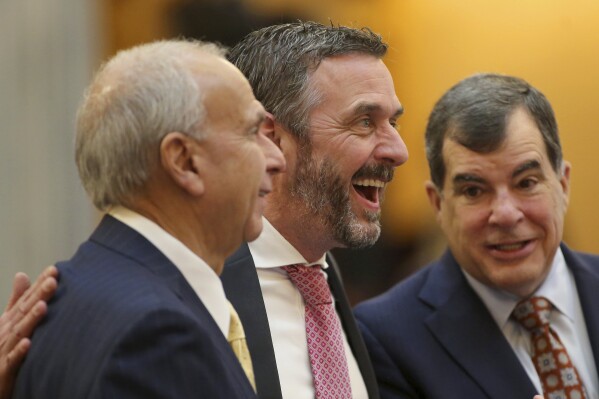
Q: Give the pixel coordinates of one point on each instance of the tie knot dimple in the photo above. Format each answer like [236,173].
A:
[533,313]
[311,283]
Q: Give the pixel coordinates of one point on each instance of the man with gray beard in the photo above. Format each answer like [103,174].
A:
[332,110]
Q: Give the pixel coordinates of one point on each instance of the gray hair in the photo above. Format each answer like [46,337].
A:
[278,60]
[474,113]
[134,100]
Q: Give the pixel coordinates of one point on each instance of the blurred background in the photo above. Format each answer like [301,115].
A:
[49,50]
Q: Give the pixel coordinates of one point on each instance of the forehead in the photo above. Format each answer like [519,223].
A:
[229,100]
[523,143]
[347,80]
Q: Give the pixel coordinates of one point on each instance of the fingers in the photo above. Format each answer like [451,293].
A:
[19,286]
[26,307]
[42,289]
[31,307]
[10,366]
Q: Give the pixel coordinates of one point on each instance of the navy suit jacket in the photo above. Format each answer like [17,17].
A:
[124,323]
[432,337]
[243,290]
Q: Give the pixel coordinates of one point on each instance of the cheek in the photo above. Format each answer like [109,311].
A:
[462,223]
[253,163]
[348,157]
[545,210]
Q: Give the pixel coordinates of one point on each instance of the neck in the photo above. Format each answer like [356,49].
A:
[300,229]
[185,227]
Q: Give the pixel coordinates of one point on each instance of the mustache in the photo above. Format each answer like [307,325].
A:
[380,171]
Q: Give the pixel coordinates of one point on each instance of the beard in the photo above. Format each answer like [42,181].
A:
[326,197]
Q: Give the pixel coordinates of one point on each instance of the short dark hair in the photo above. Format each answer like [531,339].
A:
[474,113]
[277,60]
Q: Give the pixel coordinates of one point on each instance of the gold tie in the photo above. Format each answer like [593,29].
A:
[239,345]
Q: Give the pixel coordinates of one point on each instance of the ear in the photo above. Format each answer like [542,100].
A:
[282,137]
[434,197]
[565,180]
[181,162]
[268,127]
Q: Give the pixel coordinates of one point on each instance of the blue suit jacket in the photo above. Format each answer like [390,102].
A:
[124,323]
[432,337]
[243,290]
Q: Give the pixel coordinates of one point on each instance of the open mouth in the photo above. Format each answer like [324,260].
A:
[369,189]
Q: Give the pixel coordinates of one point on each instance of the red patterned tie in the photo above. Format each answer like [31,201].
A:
[323,331]
[559,377]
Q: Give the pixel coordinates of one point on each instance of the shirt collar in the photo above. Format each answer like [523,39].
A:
[271,249]
[202,279]
[558,287]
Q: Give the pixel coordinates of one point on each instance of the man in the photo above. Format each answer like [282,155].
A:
[332,110]
[25,308]
[170,144]
[499,188]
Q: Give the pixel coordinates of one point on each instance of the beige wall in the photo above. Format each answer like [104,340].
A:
[47,52]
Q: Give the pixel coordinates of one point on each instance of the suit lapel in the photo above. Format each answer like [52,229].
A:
[119,237]
[586,274]
[464,327]
[348,323]
[243,290]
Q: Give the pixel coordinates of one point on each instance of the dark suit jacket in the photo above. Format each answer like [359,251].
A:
[124,323]
[432,337]
[243,290]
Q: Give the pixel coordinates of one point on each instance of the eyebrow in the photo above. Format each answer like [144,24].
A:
[467,178]
[470,178]
[259,118]
[528,165]
[366,108]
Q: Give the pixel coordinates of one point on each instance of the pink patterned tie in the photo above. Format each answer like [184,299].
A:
[323,330]
[559,377]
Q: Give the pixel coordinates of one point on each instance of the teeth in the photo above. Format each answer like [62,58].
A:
[370,183]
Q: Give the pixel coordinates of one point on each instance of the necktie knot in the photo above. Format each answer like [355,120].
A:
[533,313]
[311,283]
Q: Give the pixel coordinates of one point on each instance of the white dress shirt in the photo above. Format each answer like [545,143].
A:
[567,320]
[285,310]
[204,281]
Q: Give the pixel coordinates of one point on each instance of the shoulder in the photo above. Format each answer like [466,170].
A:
[397,297]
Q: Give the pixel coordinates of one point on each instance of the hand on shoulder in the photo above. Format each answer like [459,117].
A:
[26,307]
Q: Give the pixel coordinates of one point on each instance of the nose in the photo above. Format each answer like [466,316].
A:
[505,211]
[275,161]
[391,148]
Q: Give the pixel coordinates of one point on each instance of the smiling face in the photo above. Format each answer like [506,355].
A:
[503,212]
[341,174]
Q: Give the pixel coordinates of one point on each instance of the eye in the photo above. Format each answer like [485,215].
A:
[471,191]
[395,125]
[528,183]
[366,122]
